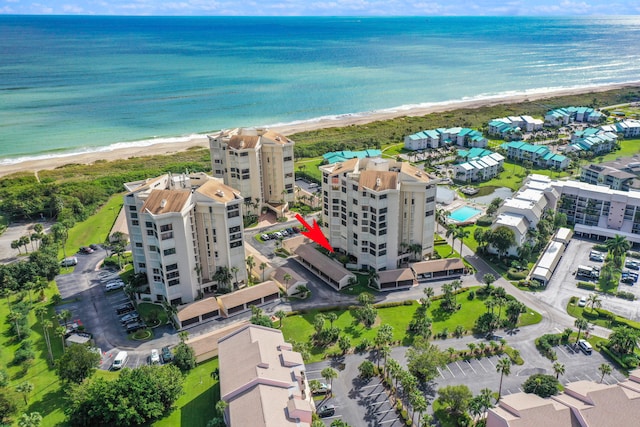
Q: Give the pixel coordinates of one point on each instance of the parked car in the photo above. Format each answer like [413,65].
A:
[167,356]
[284,233]
[127,317]
[135,319]
[125,308]
[265,237]
[94,246]
[68,262]
[296,229]
[326,411]
[136,326]
[112,286]
[582,302]
[322,389]
[634,265]
[278,235]
[86,250]
[154,358]
[596,256]
[290,231]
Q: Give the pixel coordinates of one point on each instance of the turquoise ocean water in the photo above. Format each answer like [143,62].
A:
[72,84]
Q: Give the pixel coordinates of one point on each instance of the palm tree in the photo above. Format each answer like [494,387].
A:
[429,292]
[394,368]
[15,244]
[456,285]
[504,368]
[61,331]
[184,336]
[15,317]
[373,276]
[280,314]
[287,277]
[594,301]
[25,388]
[235,270]
[488,279]
[250,264]
[559,369]
[34,419]
[452,231]
[46,325]
[331,317]
[263,267]
[581,324]
[60,234]
[329,374]
[461,234]
[617,245]
[605,369]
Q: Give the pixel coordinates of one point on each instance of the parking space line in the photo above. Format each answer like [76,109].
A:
[562,351]
[482,366]
[377,394]
[385,412]
[489,360]
[450,370]
[469,362]
[590,379]
[520,390]
[440,372]
[387,421]
[461,370]
[369,386]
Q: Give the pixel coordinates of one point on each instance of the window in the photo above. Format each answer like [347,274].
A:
[153,248]
[287,158]
[150,233]
[142,265]
[235,244]
[138,245]
[165,236]
[132,208]
[234,229]
[428,213]
[172,267]
[288,175]
[166,227]
[233,214]
[169,251]
[135,222]
[174,282]
[383,196]
[173,275]
[383,211]
[156,271]
[244,154]
[430,199]
[148,224]
[134,215]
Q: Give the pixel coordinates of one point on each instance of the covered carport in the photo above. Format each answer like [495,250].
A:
[438,269]
[389,280]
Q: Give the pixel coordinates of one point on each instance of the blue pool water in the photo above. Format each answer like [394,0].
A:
[464,213]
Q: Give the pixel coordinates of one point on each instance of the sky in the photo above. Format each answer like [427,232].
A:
[322,8]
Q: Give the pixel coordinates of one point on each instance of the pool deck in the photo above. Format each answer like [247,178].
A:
[457,204]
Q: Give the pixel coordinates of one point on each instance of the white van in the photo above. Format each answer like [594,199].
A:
[120,360]
[585,346]
[69,262]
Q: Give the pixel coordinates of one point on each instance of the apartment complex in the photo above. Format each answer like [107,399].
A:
[598,211]
[434,138]
[618,174]
[183,230]
[526,208]
[376,209]
[581,404]
[564,116]
[256,162]
[479,165]
[538,155]
[629,128]
[262,380]
[505,126]
[596,140]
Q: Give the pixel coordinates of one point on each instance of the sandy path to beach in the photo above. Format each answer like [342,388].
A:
[346,120]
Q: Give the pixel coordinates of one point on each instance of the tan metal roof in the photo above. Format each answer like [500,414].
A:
[346,166]
[265,406]
[243,142]
[401,274]
[205,346]
[432,266]
[323,263]
[279,273]
[164,201]
[198,308]
[218,191]
[245,295]
[378,180]
[276,137]
[414,172]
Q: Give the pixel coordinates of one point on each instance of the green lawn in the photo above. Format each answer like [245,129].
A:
[514,174]
[445,250]
[197,405]
[299,328]
[96,228]
[146,309]
[578,312]
[311,166]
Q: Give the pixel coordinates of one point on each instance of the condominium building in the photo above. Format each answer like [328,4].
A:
[619,174]
[256,162]
[596,140]
[629,128]
[183,229]
[378,210]
[538,155]
[434,138]
[598,211]
[479,165]
[505,126]
[564,116]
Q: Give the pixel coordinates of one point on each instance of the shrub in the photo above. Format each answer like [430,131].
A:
[626,295]
[587,285]
[471,295]
[605,314]
[514,274]
[542,385]
[484,221]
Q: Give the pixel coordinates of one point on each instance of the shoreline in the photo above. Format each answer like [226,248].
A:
[201,140]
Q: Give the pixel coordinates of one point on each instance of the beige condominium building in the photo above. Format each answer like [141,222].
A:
[183,230]
[378,211]
[258,163]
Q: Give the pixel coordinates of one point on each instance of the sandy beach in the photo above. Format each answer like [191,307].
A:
[346,120]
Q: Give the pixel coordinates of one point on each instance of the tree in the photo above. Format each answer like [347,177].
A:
[318,323]
[34,419]
[455,398]
[331,317]
[344,343]
[604,369]
[250,264]
[337,423]
[77,363]
[235,270]
[618,245]
[581,324]
[281,314]
[61,332]
[184,357]
[223,277]
[394,368]
[10,404]
[329,374]
[502,238]
[419,403]
[424,359]
[514,310]
[542,385]
[452,231]
[367,369]
[503,367]
[488,279]
[559,369]
[623,339]
[263,267]
[462,234]
[25,388]
[287,277]
[594,301]
[65,316]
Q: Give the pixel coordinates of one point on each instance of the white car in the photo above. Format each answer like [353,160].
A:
[154,358]
[265,237]
[582,302]
[278,235]
[284,232]
[111,286]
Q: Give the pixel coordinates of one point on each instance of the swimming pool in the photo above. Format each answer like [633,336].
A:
[464,213]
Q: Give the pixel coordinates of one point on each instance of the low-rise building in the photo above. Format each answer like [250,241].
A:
[551,256]
[581,404]
[341,156]
[262,380]
[434,138]
[566,115]
[504,126]
[629,128]
[538,155]
[619,174]
[596,140]
[482,166]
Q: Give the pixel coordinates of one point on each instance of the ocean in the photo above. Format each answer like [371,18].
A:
[78,83]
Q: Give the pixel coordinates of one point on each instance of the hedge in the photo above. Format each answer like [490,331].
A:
[626,295]
[587,285]
[615,358]
[484,221]
[514,274]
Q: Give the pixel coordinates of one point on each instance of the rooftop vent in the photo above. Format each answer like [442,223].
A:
[418,173]
[220,193]
[378,182]
[163,203]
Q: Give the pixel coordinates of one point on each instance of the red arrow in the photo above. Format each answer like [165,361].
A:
[314,233]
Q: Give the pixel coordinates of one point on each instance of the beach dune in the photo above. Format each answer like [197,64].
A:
[167,148]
